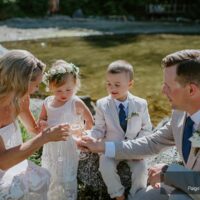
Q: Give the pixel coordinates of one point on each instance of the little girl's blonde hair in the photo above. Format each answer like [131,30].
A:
[17,69]
[59,73]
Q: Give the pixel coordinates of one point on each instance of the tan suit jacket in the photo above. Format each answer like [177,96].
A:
[171,134]
[107,124]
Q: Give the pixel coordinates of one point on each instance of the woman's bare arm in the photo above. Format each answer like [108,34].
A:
[11,157]
[42,121]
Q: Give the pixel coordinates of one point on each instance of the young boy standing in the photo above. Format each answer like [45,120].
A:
[121,116]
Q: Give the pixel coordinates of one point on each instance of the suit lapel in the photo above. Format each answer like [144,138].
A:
[131,105]
[194,153]
[181,125]
[131,109]
[192,158]
[113,110]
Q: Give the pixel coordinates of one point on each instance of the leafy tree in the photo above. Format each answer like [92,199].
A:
[33,7]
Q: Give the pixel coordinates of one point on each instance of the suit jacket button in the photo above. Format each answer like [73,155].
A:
[125,138]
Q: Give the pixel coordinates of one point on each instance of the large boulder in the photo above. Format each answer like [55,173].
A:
[91,184]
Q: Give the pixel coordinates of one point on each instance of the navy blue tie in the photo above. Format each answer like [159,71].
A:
[187,133]
[122,117]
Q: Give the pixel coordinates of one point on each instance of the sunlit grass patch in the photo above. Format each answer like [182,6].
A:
[93,54]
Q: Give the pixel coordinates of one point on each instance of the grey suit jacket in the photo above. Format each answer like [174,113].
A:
[107,124]
[171,134]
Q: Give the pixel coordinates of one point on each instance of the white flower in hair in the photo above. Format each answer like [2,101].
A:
[53,71]
[57,73]
[61,70]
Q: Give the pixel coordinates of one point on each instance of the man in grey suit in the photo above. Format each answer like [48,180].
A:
[182,88]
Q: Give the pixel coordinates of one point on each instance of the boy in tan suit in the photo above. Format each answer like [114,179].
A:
[121,116]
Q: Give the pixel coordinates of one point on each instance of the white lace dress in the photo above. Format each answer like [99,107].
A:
[25,180]
[61,158]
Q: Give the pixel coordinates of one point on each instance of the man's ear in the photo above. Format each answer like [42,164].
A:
[131,83]
[192,88]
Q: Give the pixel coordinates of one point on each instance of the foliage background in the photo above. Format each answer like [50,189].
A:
[136,8]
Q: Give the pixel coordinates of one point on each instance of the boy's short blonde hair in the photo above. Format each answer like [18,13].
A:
[120,66]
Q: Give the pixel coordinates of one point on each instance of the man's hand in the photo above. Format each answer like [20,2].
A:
[88,143]
[154,174]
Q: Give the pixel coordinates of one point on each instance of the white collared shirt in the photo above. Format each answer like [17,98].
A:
[196,119]
[125,104]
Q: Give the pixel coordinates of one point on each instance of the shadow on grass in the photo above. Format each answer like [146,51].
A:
[106,41]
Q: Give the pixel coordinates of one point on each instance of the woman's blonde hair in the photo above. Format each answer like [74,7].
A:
[17,69]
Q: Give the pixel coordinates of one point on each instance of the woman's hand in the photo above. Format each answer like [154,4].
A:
[56,133]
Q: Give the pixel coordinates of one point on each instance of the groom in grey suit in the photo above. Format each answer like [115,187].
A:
[182,88]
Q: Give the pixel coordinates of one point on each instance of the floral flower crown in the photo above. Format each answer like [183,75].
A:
[56,73]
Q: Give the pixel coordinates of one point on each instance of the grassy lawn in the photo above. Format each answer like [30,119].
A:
[93,54]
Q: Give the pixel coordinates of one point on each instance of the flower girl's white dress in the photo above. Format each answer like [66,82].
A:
[61,158]
[25,180]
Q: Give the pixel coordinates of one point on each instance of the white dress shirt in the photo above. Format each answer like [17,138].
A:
[196,119]
[125,104]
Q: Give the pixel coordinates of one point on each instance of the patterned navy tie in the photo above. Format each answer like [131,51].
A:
[187,133]
[122,117]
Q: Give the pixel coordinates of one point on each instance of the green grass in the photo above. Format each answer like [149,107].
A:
[93,54]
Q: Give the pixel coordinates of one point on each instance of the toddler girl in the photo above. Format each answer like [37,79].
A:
[61,158]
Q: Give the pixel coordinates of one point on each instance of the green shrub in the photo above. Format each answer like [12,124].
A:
[33,7]
[101,7]
[68,7]
[8,9]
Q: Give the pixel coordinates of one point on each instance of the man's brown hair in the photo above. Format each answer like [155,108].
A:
[188,65]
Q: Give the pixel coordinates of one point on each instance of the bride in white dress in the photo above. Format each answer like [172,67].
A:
[24,179]
[20,178]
